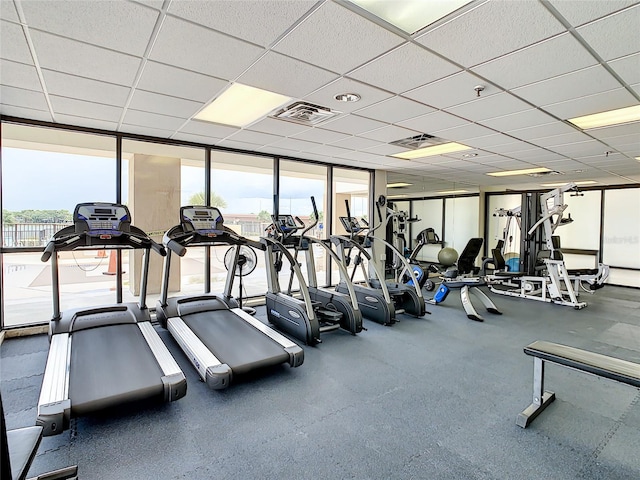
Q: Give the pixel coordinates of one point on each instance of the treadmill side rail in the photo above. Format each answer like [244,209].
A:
[174,381]
[296,353]
[54,405]
[211,370]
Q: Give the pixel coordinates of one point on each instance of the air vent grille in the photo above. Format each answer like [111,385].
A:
[305,113]
[419,141]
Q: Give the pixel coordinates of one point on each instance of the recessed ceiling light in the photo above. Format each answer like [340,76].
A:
[605,119]
[469,155]
[525,171]
[433,150]
[398,185]
[450,192]
[347,97]
[410,15]
[638,158]
[239,105]
[560,184]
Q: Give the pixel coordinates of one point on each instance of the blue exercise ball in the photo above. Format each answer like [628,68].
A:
[447,256]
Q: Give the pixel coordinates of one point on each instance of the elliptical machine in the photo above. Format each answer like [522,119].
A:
[319,310]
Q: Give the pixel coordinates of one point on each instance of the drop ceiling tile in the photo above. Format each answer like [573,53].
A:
[177,82]
[142,130]
[385,149]
[539,131]
[294,144]
[592,147]
[433,121]
[260,22]
[86,122]
[614,36]
[450,91]
[351,39]
[188,137]
[80,108]
[405,68]
[157,4]
[627,129]
[163,104]
[208,129]
[389,133]
[361,156]
[300,79]
[565,138]
[488,141]
[491,30]
[13,44]
[636,88]
[493,106]
[209,52]
[599,102]
[320,135]
[8,11]
[556,56]
[19,97]
[515,121]
[394,110]
[581,83]
[463,132]
[537,155]
[507,148]
[328,150]
[256,138]
[121,26]
[29,113]
[19,75]
[579,12]
[85,89]
[238,145]
[356,143]
[564,166]
[628,68]
[352,124]
[368,95]
[278,127]
[67,56]
[152,120]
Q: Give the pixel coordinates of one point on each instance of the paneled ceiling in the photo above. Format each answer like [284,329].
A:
[148,67]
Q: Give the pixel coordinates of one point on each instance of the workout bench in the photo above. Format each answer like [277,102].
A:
[594,363]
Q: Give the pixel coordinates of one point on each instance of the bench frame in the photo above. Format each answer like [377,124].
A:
[596,364]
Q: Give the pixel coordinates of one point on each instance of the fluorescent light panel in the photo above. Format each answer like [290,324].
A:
[404,195]
[239,105]
[410,15]
[525,171]
[606,119]
[429,151]
[398,185]
[451,192]
[560,184]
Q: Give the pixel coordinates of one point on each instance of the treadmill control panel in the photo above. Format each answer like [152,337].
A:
[286,224]
[204,220]
[101,219]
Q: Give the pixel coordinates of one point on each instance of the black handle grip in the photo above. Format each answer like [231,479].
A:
[176,248]
[315,209]
[379,212]
[346,203]
[155,246]
[48,251]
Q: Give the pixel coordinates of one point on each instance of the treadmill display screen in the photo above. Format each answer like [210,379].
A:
[102,220]
[204,220]
[286,223]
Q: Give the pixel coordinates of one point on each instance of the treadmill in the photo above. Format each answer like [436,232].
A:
[220,339]
[105,356]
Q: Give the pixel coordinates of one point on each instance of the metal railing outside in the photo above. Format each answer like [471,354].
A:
[29,234]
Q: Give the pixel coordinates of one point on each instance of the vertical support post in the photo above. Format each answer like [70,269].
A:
[541,398]
[207,196]
[538,381]
[143,279]
[119,200]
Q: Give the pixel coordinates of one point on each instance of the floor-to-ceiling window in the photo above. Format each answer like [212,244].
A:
[242,188]
[157,180]
[45,173]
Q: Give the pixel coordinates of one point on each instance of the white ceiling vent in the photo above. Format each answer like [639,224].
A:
[419,141]
[305,113]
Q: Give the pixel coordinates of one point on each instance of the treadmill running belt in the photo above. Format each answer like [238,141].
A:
[234,342]
[110,366]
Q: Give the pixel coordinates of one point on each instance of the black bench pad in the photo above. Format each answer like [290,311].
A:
[602,365]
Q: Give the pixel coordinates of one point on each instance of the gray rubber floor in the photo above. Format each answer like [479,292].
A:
[431,398]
